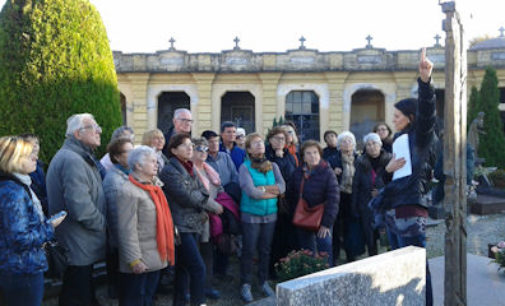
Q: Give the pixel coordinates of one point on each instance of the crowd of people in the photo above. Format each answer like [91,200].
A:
[183,205]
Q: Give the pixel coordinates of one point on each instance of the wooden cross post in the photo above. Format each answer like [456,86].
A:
[455,157]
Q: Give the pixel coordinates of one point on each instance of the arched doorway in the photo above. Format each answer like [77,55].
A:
[238,107]
[168,102]
[302,107]
[367,109]
[122,102]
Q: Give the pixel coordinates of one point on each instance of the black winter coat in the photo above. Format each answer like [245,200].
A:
[186,196]
[410,190]
[362,181]
[321,186]
[328,152]
[287,163]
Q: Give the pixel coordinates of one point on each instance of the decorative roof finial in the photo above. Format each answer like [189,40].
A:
[302,41]
[437,40]
[369,44]
[501,29]
[236,40]
[172,41]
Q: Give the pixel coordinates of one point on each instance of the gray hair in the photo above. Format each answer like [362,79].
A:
[200,142]
[75,122]
[120,131]
[343,135]
[180,111]
[138,155]
[373,137]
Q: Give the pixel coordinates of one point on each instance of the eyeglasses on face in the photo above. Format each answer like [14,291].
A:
[186,120]
[279,138]
[95,127]
[202,149]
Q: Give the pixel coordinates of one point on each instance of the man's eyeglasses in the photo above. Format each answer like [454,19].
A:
[202,149]
[95,127]
[186,120]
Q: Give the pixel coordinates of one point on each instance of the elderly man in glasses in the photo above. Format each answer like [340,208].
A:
[182,123]
[74,184]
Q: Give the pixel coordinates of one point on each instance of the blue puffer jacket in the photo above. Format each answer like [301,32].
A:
[21,231]
[410,190]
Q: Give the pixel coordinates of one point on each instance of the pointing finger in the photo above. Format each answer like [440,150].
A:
[423,54]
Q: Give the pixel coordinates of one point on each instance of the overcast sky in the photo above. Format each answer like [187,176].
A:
[276,25]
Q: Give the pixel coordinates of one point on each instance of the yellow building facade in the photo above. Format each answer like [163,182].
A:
[317,90]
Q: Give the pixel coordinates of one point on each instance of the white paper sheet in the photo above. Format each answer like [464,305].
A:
[401,149]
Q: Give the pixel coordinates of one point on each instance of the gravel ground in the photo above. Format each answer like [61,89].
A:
[481,231]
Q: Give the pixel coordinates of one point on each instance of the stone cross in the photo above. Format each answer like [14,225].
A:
[172,41]
[437,40]
[302,41]
[369,39]
[236,40]
[501,29]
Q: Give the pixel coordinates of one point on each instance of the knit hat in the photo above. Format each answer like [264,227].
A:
[407,106]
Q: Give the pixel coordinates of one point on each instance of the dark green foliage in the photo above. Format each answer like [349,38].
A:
[300,263]
[492,144]
[473,106]
[55,61]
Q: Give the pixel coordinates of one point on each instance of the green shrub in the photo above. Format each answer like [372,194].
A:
[299,263]
[55,61]
[492,143]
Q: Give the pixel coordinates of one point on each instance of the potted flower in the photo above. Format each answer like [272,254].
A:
[499,254]
[299,263]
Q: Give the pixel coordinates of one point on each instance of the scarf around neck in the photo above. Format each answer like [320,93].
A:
[164,223]
[211,176]
[27,180]
[347,172]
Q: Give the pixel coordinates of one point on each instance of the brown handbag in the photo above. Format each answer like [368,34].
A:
[306,217]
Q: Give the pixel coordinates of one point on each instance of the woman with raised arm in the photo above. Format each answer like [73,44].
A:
[404,198]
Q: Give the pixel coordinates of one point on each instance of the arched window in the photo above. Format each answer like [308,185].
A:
[238,107]
[302,107]
[367,109]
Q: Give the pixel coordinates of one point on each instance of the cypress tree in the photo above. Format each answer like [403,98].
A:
[55,61]
[473,106]
[492,144]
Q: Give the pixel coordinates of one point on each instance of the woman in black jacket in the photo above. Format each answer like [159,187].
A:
[320,186]
[284,240]
[189,202]
[347,229]
[368,179]
[404,198]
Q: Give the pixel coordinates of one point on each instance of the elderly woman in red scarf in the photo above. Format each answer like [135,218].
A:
[146,230]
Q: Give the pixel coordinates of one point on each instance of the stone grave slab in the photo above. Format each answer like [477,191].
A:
[487,204]
[392,278]
[485,285]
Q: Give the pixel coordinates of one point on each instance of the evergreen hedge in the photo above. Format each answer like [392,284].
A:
[55,61]
[492,144]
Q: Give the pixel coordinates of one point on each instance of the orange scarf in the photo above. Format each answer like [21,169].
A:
[292,151]
[164,223]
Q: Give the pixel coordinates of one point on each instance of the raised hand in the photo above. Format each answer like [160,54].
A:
[425,67]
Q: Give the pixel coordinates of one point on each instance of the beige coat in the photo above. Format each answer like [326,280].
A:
[137,228]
